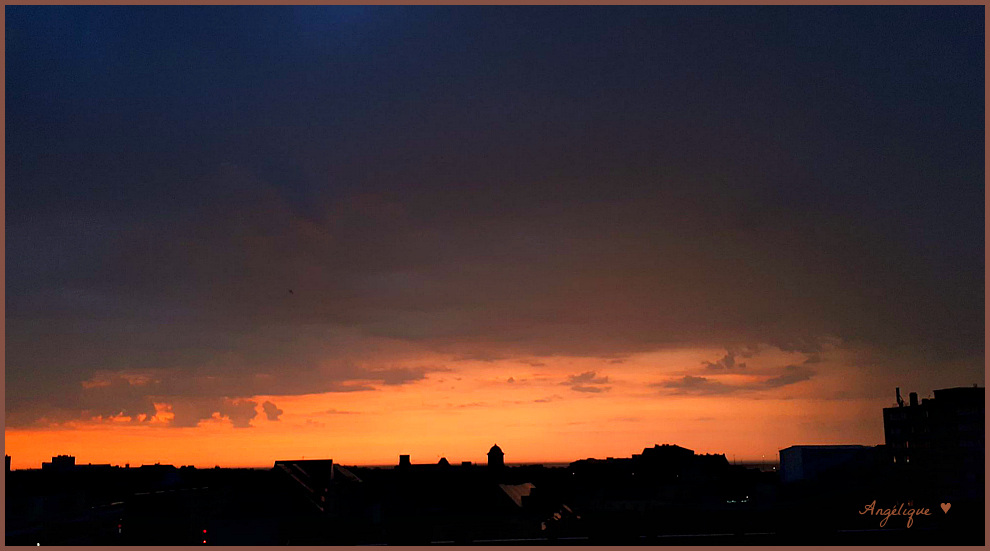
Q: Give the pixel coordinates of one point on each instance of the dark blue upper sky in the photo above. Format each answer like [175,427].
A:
[105,103]
[795,171]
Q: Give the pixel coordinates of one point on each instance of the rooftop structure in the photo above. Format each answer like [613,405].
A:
[817,462]
[945,432]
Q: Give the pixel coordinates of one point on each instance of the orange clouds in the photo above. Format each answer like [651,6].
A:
[537,408]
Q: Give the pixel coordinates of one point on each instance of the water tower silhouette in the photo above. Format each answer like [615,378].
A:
[496,459]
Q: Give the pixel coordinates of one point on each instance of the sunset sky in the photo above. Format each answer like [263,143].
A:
[236,235]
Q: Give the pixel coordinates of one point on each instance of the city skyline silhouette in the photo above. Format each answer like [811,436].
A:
[934,453]
[251,236]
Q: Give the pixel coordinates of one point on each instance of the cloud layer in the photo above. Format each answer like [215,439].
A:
[682,185]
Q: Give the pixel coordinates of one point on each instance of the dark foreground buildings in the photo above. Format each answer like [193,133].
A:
[933,458]
[665,495]
[798,463]
[663,490]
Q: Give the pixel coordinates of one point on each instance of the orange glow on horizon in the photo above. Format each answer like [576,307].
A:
[557,409]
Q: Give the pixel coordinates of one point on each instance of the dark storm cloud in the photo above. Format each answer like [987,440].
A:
[240,412]
[490,183]
[727,363]
[793,375]
[272,411]
[402,375]
[116,396]
[690,384]
[189,412]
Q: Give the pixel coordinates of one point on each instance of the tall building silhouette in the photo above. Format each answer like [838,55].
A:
[60,463]
[939,431]
[940,440]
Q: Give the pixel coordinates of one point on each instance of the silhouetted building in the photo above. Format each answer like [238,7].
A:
[664,492]
[665,452]
[311,478]
[158,468]
[674,458]
[496,459]
[666,460]
[945,432]
[60,463]
[404,461]
[67,463]
[824,462]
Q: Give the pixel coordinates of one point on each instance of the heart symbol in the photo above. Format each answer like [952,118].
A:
[945,507]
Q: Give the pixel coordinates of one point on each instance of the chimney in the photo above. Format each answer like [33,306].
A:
[403,461]
[914,398]
[900,401]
